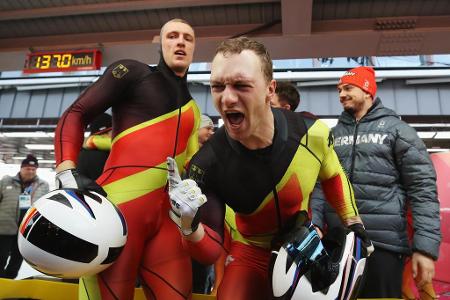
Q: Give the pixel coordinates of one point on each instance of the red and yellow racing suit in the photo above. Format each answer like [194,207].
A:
[154,116]
[266,188]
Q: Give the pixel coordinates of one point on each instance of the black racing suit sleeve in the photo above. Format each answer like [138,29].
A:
[201,170]
[100,96]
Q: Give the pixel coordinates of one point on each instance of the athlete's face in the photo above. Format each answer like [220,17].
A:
[177,44]
[241,93]
[353,99]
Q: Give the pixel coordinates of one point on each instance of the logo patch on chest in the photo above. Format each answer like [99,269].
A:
[119,71]
[196,174]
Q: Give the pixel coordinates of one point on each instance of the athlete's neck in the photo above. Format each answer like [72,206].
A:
[262,137]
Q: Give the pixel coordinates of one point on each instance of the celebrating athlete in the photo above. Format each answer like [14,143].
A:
[154,116]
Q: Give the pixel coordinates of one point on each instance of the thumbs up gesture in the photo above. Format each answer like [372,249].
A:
[185,199]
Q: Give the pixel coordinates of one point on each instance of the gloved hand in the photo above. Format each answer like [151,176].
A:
[293,229]
[185,198]
[360,232]
[71,179]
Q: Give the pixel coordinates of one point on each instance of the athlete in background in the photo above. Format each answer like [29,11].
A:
[264,164]
[286,96]
[154,116]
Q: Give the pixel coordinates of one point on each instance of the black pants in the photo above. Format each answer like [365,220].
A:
[383,277]
[9,248]
[202,283]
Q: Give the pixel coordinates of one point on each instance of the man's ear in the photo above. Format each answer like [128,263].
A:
[286,106]
[271,90]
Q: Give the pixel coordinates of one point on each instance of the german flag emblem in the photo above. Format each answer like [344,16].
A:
[119,71]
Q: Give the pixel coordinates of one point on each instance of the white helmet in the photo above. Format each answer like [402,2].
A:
[307,268]
[69,233]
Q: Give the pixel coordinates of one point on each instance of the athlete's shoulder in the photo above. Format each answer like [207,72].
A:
[202,164]
[305,119]
[129,63]
[308,115]
[313,123]
[127,68]
[318,133]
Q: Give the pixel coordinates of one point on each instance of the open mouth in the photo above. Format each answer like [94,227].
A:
[235,118]
[180,52]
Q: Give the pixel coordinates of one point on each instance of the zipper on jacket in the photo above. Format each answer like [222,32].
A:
[352,166]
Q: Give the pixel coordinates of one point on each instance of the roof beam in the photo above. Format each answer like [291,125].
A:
[296,16]
[109,7]
[387,24]
[136,36]
[370,43]
[425,35]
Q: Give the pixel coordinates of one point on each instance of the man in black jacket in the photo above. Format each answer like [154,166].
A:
[389,168]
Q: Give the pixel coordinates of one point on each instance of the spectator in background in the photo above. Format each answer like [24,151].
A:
[202,276]
[286,96]
[387,163]
[206,129]
[96,148]
[17,193]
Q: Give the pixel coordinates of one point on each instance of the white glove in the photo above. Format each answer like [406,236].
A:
[185,198]
[71,179]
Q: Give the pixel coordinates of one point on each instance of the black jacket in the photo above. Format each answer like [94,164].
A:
[389,168]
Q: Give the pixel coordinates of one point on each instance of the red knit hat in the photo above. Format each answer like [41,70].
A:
[362,77]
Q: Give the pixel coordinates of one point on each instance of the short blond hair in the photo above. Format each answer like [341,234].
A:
[176,20]
[239,44]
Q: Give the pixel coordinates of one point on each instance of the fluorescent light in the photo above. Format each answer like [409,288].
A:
[318,82]
[442,135]
[438,150]
[429,124]
[325,82]
[42,81]
[37,134]
[49,86]
[47,161]
[426,134]
[428,80]
[419,74]
[23,157]
[40,146]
